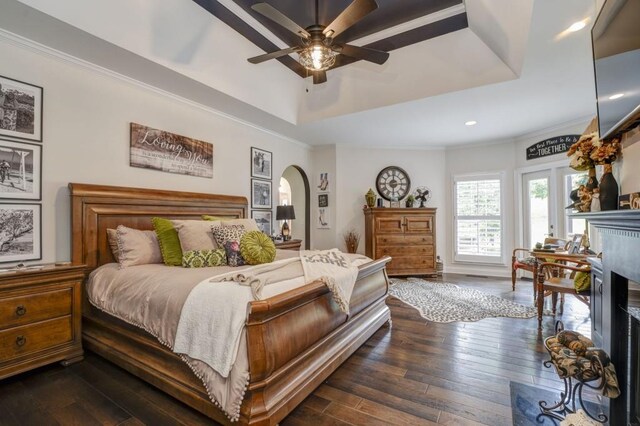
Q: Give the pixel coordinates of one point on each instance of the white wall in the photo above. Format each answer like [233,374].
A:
[86,138]
[324,161]
[358,167]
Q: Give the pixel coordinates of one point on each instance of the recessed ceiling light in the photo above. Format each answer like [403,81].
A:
[471,123]
[616,96]
[577,26]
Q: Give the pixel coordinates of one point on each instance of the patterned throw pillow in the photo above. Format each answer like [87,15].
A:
[229,237]
[204,258]
[257,248]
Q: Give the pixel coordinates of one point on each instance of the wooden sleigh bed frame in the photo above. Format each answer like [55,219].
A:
[295,340]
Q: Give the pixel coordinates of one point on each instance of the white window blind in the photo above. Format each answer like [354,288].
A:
[478,219]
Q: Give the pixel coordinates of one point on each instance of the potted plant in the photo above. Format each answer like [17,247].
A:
[409,201]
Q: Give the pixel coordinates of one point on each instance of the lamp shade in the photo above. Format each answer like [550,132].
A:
[285,213]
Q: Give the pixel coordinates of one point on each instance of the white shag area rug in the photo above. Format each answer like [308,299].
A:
[443,302]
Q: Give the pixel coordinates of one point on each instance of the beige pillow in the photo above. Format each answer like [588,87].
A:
[137,247]
[112,238]
[196,234]
[249,224]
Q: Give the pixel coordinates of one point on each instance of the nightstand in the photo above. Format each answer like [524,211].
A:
[40,317]
[289,245]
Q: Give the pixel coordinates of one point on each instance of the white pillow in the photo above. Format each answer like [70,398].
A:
[249,224]
[136,247]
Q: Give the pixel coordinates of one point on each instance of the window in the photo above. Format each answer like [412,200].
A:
[478,221]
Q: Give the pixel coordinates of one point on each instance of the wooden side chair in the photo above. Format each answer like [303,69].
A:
[560,277]
[527,263]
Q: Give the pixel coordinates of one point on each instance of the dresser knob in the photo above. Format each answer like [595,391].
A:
[21,310]
[21,340]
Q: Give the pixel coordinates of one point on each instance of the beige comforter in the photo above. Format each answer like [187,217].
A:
[152,296]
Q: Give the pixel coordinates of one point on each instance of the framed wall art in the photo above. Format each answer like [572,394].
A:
[168,152]
[20,171]
[323,200]
[20,232]
[261,163]
[260,194]
[264,219]
[20,110]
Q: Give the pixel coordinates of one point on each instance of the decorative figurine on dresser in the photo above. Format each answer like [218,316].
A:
[40,317]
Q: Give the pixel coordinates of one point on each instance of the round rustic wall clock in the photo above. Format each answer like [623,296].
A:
[393,183]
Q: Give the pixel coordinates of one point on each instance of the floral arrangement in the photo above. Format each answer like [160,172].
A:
[606,152]
[351,240]
[591,151]
[580,152]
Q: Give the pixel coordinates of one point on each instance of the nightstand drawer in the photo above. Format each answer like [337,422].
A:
[19,341]
[34,307]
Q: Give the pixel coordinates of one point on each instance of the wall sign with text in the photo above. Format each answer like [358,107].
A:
[171,153]
[551,146]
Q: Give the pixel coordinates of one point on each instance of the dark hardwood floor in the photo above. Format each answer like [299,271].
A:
[415,373]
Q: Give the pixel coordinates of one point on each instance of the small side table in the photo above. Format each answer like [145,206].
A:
[289,245]
[40,317]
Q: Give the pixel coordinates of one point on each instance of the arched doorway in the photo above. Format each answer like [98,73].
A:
[294,190]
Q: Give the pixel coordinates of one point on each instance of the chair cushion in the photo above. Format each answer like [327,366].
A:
[582,281]
[528,261]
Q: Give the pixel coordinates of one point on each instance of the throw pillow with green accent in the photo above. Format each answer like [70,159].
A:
[257,248]
[204,258]
[168,240]
[212,218]
[582,281]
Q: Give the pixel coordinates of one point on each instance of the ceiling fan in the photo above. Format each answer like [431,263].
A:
[317,50]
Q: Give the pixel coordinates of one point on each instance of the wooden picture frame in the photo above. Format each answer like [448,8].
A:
[261,164]
[576,243]
[24,222]
[261,194]
[20,110]
[20,171]
[264,220]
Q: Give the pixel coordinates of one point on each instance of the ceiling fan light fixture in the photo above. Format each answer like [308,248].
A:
[317,57]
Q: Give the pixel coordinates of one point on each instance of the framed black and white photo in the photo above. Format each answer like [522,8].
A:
[323,200]
[20,232]
[576,244]
[20,171]
[324,218]
[323,182]
[261,163]
[20,110]
[264,219]
[260,194]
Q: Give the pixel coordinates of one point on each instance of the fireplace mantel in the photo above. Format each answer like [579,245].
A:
[620,232]
[624,220]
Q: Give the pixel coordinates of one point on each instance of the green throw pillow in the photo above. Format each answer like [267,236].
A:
[168,240]
[212,218]
[204,258]
[257,248]
[582,281]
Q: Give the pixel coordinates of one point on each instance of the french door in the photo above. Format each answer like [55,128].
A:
[545,195]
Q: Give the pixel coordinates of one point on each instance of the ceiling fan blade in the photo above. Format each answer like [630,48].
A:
[273,55]
[376,56]
[352,14]
[279,18]
[319,77]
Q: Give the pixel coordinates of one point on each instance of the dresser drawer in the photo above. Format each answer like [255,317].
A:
[410,262]
[18,341]
[403,240]
[34,307]
[404,251]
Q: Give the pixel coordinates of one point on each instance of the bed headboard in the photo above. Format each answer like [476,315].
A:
[94,208]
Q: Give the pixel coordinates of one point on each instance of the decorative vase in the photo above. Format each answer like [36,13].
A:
[608,190]
[370,196]
[592,183]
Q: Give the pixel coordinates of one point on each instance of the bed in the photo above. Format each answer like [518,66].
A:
[295,340]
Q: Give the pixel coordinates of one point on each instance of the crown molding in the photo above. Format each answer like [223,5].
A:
[561,126]
[43,50]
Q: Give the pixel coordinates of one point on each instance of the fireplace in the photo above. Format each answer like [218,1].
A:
[619,308]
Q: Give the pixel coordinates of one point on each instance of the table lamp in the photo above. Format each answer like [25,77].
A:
[285,213]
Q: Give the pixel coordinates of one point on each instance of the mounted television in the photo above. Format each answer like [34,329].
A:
[616,55]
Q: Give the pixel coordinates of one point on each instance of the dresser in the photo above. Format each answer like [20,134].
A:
[40,318]
[406,235]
